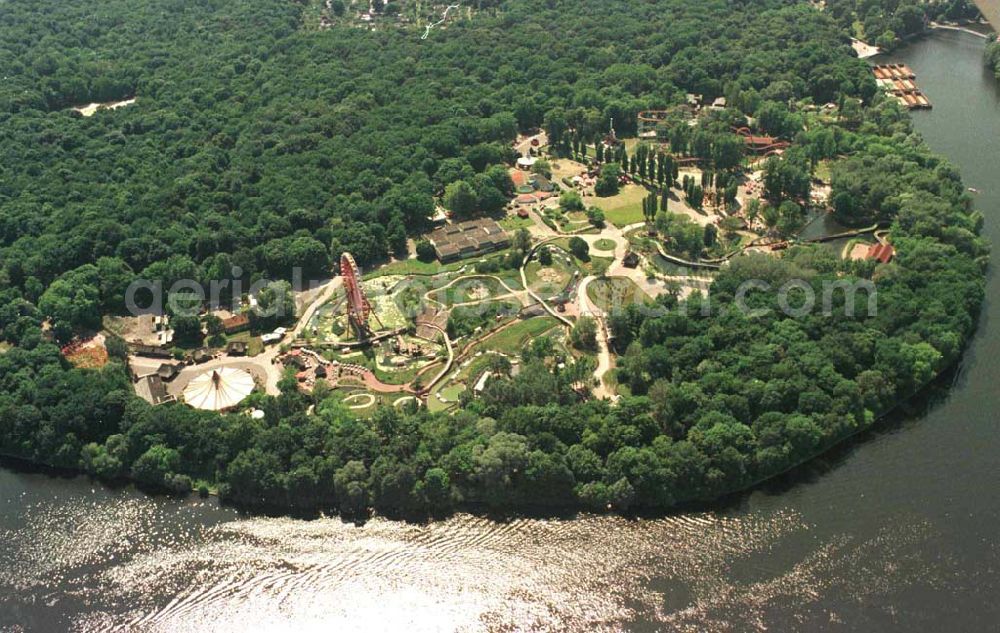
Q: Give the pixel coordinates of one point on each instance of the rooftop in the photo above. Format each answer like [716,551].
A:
[469,238]
[151,389]
[881,252]
[236,322]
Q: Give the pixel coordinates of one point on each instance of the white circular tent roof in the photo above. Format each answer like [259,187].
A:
[219,389]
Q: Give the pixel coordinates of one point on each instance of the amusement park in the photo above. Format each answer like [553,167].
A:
[589,228]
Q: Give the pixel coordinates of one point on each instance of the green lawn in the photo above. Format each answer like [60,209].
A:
[514,222]
[615,293]
[604,245]
[392,376]
[254,344]
[436,406]
[520,334]
[596,265]
[380,401]
[401,376]
[416,267]
[625,208]
[413,267]
[548,279]
[469,289]
[450,393]
[576,222]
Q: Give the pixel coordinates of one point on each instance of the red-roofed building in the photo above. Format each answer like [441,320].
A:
[761,144]
[236,323]
[881,252]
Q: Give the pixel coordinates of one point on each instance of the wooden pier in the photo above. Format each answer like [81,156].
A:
[900,81]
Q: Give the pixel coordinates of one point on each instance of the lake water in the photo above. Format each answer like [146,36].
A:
[897,531]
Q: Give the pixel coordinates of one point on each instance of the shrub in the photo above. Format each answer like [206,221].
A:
[545,256]
[425,251]
[579,247]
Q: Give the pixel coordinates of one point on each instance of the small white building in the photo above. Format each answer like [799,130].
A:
[481,383]
[273,337]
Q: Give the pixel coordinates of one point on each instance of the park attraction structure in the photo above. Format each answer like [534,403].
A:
[219,390]
[649,120]
[359,309]
[761,145]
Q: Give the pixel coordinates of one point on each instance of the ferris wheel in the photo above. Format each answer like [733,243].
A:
[359,309]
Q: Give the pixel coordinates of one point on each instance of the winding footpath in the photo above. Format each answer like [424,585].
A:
[652,287]
[444,17]
[605,360]
[448,364]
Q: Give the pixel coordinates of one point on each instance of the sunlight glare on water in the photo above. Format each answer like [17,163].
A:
[461,574]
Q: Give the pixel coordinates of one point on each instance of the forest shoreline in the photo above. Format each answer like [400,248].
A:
[538,511]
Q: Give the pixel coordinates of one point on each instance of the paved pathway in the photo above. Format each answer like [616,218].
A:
[521,295]
[605,361]
[447,366]
[653,287]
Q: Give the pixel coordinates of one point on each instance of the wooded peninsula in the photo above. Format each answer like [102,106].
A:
[273,136]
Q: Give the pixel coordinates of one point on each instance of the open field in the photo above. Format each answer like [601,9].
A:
[450,395]
[254,345]
[615,293]
[575,221]
[415,267]
[552,278]
[362,403]
[595,265]
[514,222]
[622,209]
[565,168]
[470,289]
[516,336]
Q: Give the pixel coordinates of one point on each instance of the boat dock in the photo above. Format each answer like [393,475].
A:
[899,81]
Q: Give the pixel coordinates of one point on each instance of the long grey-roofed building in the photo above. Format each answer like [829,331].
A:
[468,239]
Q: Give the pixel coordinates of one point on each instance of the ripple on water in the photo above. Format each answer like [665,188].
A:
[123,568]
[464,573]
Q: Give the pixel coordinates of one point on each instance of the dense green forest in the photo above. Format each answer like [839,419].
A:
[885,23]
[259,142]
[255,144]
